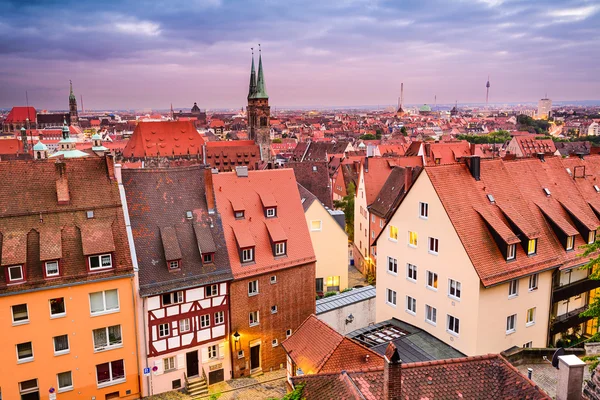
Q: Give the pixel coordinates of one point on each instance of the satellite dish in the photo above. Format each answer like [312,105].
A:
[559,352]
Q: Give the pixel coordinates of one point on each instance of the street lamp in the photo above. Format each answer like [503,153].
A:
[236,338]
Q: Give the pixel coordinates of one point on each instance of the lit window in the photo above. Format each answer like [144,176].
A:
[184,325]
[253,288]
[110,373]
[15,273]
[531,246]
[212,290]
[411,305]
[213,351]
[430,314]
[591,237]
[280,248]
[333,283]
[423,210]
[103,261]
[169,363]
[219,317]
[205,321]
[163,330]
[453,325]
[511,322]
[173,264]
[570,242]
[392,265]
[412,239]
[533,282]
[432,280]
[107,337]
[61,344]
[391,297]
[248,255]
[52,268]
[271,212]
[254,318]
[411,272]
[172,298]
[530,317]
[393,232]
[20,314]
[454,289]
[65,381]
[104,302]
[207,258]
[513,288]
[434,245]
[511,252]
[24,352]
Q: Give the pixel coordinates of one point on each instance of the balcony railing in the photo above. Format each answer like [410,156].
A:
[563,322]
[564,292]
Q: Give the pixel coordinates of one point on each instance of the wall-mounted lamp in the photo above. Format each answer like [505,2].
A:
[236,339]
[349,319]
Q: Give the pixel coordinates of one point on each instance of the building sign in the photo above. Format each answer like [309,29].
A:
[215,367]
[146,371]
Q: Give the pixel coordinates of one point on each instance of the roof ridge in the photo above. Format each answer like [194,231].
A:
[469,359]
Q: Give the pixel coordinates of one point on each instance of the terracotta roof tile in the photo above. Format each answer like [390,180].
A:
[14,248]
[168,138]
[276,231]
[50,244]
[243,236]
[97,237]
[21,114]
[497,225]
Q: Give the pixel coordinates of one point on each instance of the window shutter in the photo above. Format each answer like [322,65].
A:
[180,361]
[221,350]
[158,364]
[204,354]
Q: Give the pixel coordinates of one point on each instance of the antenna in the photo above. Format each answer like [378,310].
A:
[28,119]
[402,94]
[82,104]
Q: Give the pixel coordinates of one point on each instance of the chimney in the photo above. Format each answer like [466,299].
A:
[427,149]
[110,166]
[209,190]
[474,166]
[570,377]
[392,374]
[407,178]
[118,175]
[62,185]
[366,164]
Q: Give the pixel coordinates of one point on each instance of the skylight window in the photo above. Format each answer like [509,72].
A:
[596,188]
[189,215]
[491,198]
[547,191]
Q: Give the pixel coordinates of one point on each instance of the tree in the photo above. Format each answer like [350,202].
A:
[276,140]
[403,131]
[367,136]
[594,265]
[347,205]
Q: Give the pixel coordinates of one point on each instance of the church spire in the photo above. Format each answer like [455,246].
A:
[252,88]
[71,95]
[261,91]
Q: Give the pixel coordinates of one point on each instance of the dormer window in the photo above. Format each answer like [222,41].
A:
[100,261]
[247,255]
[15,274]
[51,269]
[174,264]
[208,258]
[591,237]
[280,249]
[239,214]
[511,252]
[570,242]
[271,212]
[531,247]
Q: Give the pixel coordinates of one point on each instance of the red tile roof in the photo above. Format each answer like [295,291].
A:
[226,155]
[11,146]
[164,139]
[378,169]
[281,184]
[20,115]
[530,146]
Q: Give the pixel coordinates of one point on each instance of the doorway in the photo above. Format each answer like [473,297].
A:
[254,358]
[31,396]
[191,362]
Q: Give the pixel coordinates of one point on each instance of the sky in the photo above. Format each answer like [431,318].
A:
[149,54]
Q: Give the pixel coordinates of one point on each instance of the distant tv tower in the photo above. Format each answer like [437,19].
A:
[487,91]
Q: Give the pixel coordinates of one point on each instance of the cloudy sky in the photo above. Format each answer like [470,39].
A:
[149,54]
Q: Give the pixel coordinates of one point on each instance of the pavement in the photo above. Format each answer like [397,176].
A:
[546,376]
[355,277]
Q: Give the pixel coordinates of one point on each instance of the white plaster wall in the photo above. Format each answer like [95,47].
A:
[363,312]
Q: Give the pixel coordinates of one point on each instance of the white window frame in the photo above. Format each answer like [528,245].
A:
[433,277]
[51,275]
[57,315]
[253,288]
[410,271]
[391,300]
[213,352]
[392,266]
[248,255]
[210,292]
[570,243]
[423,210]
[390,236]
[274,343]
[8,272]
[164,330]
[381,223]
[430,315]
[457,287]
[254,318]
[61,352]
[12,315]
[208,258]
[280,248]
[528,345]
[414,246]
[174,298]
[111,380]
[169,364]
[184,325]
[452,325]
[274,309]
[271,212]
[411,305]
[513,288]
[435,243]
[313,229]
[100,259]
[511,252]
[219,317]
[511,324]
[591,237]
[273,279]
[105,311]
[238,214]
[533,282]
[288,333]
[530,322]
[26,359]
[108,345]
[205,321]
[174,264]
[64,388]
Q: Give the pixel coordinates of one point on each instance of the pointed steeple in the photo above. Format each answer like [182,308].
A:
[71,95]
[261,91]
[252,87]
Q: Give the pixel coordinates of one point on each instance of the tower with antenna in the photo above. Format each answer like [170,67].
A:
[487,91]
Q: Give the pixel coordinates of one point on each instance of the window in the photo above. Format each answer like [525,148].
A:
[570,242]
[381,223]
[372,234]
[211,290]
[184,325]
[173,264]
[288,333]
[411,272]
[392,265]
[280,248]
[430,314]
[29,386]
[528,345]
[591,237]
[89,214]
[248,254]
[207,258]
[454,289]
[373,218]
[530,317]
[176,384]
[511,322]
[412,239]
[205,321]
[102,261]
[163,330]
[319,285]
[391,297]
[103,302]
[254,318]
[110,372]
[65,381]
[57,307]
[333,283]
[533,282]
[172,298]
[274,343]
[213,351]
[511,252]
[423,210]
[531,247]
[432,280]
[219,317]
[24,352]
[107,338]
[239,214]
[271,212]
[61,344]
[453,325]
[393,232]
[20,314]
[433,245]
[252,288]
[411,305]
[273,279]
[273,309]
[15,273]
[315,225]
[52,269]
[169,364]
[513,288]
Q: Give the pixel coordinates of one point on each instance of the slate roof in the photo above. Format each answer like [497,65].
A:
[306,197]
[317,182]
[35,228]
[319,151]
[164,139]
[158,201]
[344,299]
[573,148]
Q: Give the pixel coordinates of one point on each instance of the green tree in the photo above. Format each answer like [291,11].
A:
[367,136]
[403,131]
[593,264]
[276,140]
[347,205]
